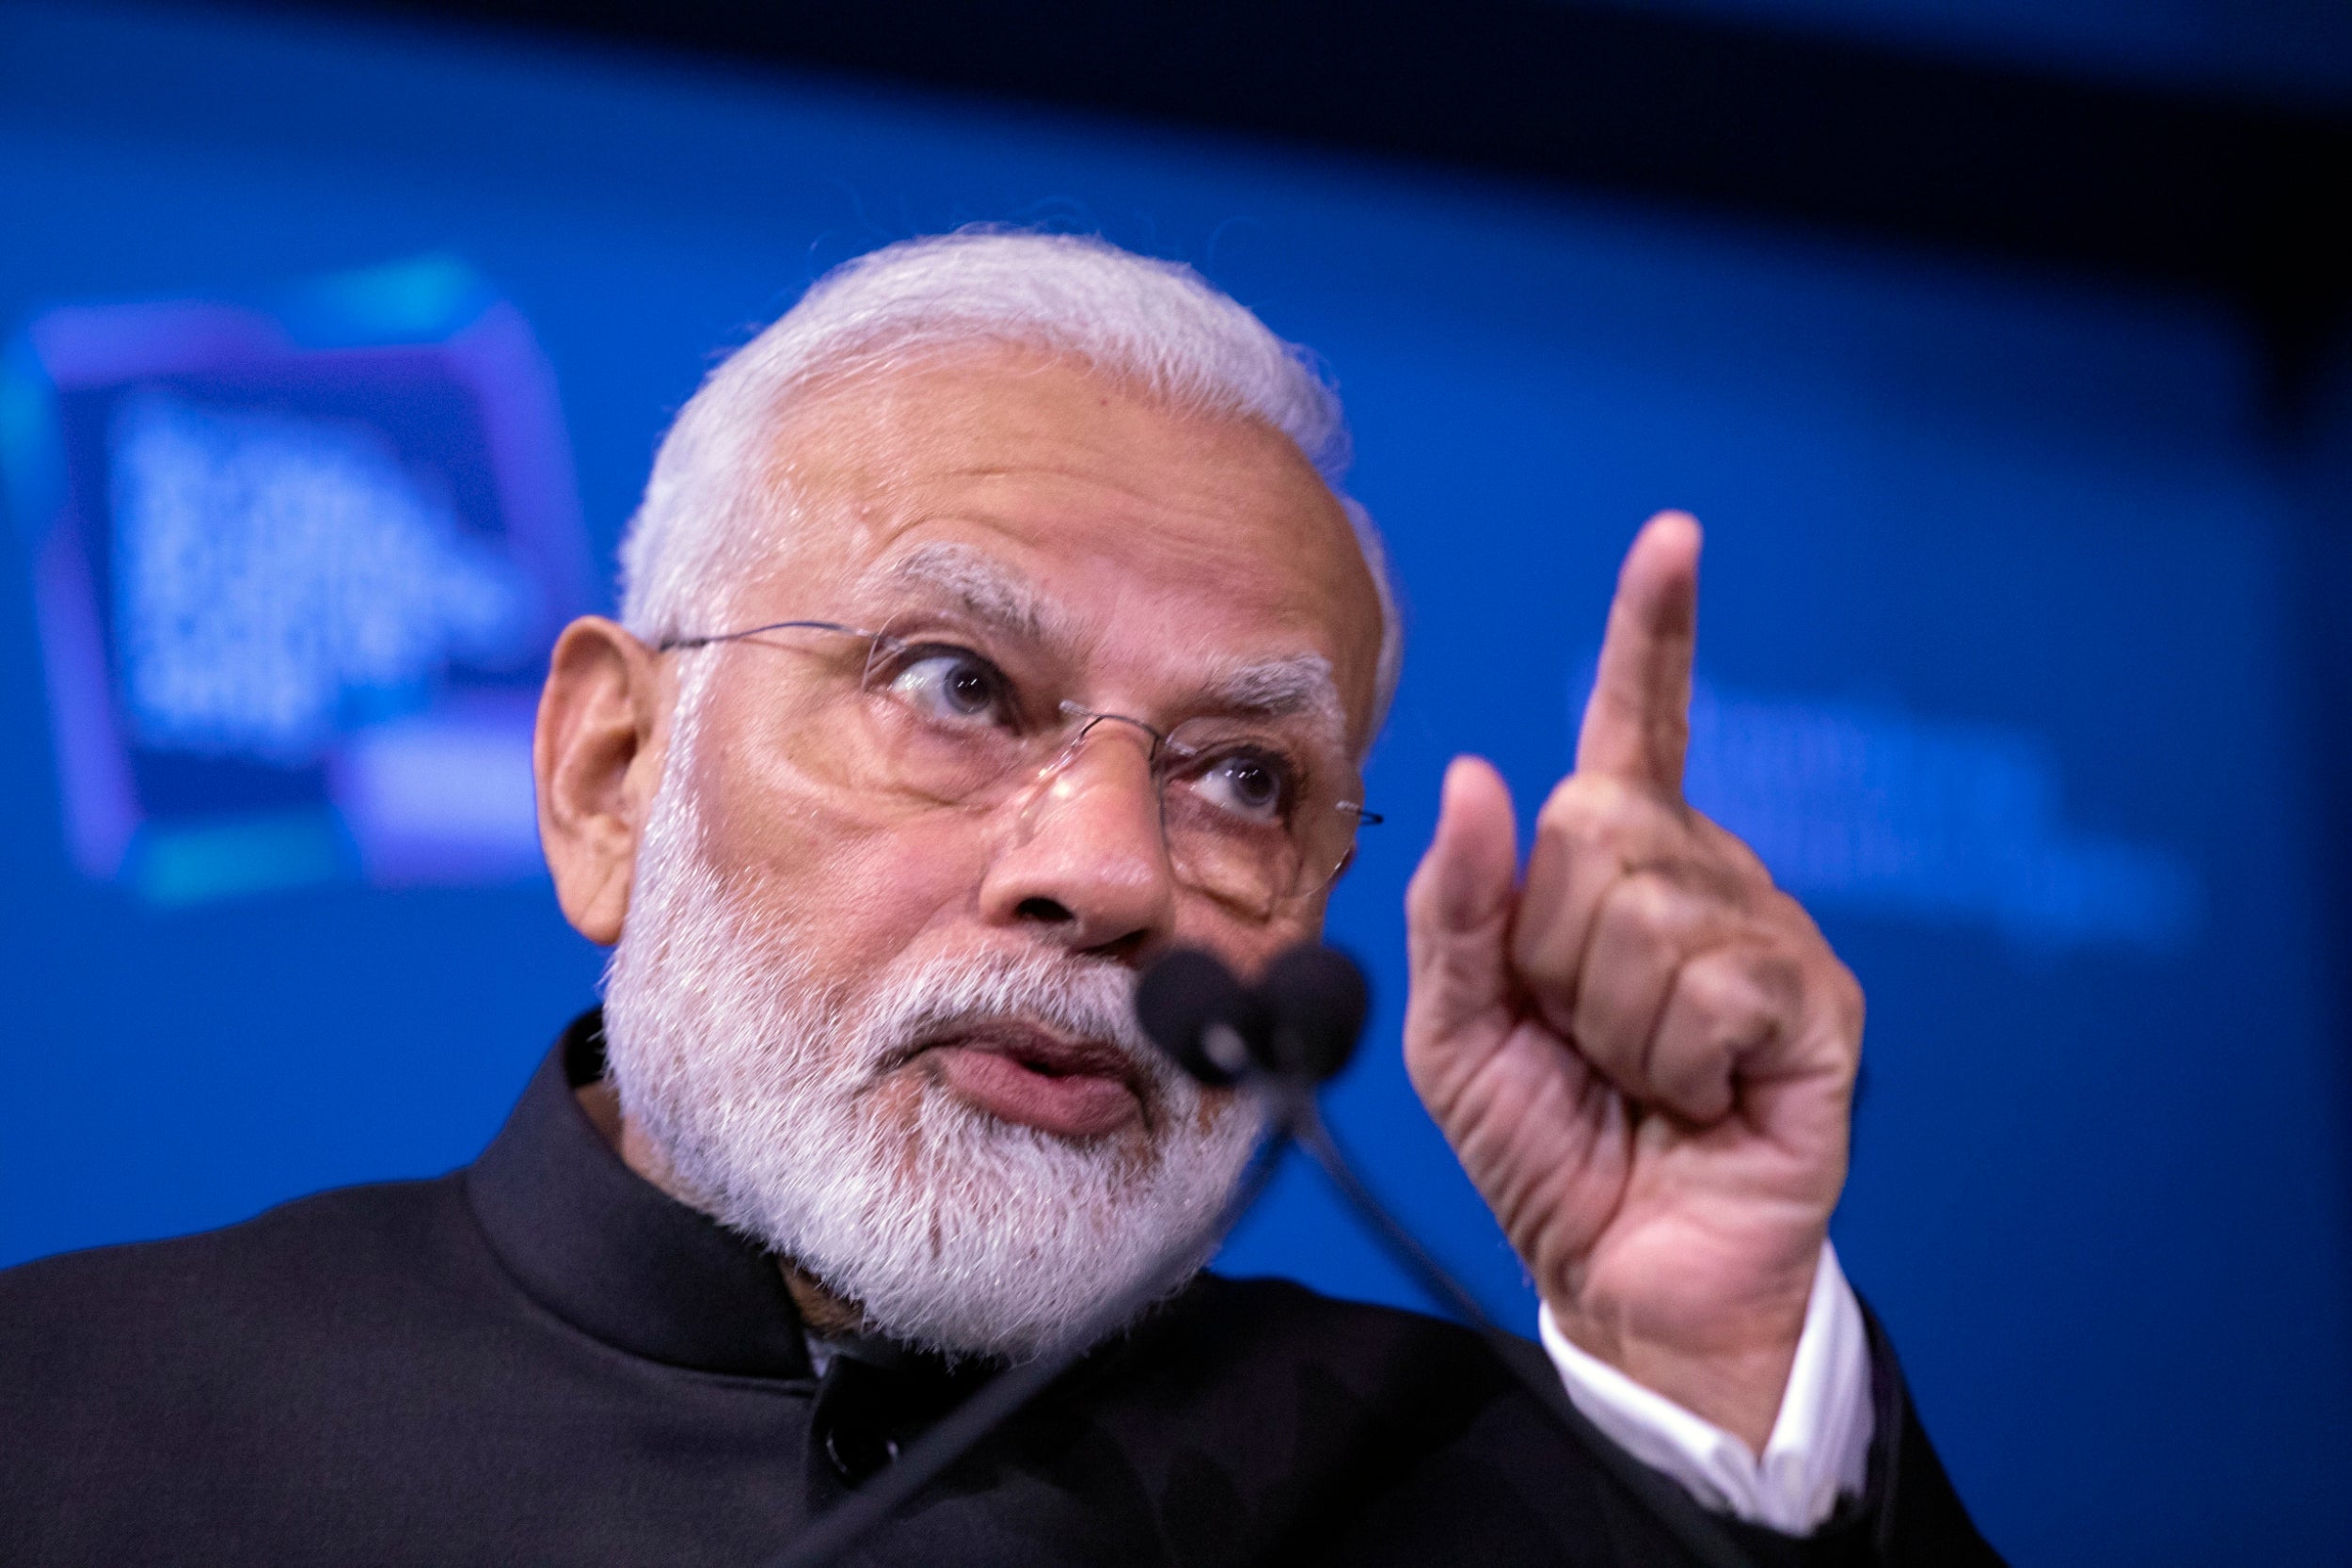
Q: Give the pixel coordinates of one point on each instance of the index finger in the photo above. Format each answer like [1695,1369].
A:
[1637,723]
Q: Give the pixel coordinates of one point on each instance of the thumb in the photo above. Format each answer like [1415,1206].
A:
[1457,911]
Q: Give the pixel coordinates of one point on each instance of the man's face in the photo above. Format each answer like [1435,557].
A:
[1090,547]
[1156,557]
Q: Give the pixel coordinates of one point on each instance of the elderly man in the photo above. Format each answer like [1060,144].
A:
[993,624]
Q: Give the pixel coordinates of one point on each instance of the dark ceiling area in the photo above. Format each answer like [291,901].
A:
[2224,197]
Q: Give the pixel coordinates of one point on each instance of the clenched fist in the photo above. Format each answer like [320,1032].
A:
[1643,1052]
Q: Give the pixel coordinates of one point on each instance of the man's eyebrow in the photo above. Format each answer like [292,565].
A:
[994,593]
[1301,683]
[978,585]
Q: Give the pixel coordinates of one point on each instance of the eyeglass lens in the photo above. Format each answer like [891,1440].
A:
[1253,813]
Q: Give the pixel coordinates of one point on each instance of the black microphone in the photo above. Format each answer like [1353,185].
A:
[1316,1002]
[1297,1026]
[1202,1017]
[1221,1033]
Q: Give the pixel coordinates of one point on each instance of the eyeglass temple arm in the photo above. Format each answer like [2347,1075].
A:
[675,644]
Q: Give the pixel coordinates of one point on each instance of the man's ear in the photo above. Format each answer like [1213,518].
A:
[596,755]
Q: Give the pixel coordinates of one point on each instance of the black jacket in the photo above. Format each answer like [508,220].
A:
[542,1359]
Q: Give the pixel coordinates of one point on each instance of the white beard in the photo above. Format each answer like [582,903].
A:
[954,1231]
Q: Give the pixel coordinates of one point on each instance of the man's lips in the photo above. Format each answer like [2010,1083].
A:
[1015,1072]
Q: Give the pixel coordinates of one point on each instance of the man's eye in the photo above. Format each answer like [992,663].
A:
[1253,786]
[952,683]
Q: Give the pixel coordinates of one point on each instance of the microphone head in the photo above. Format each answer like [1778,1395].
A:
[1199,1012]
[1317,1002]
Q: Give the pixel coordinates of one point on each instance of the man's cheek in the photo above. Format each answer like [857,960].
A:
[792,839]
[860,903]
[898,882]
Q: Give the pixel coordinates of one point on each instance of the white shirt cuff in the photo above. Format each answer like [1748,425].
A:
[1819,1448]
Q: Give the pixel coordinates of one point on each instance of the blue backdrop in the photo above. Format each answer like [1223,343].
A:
[2001,672]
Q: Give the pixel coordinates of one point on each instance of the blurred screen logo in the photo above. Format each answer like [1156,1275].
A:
[265,565]
[296,570]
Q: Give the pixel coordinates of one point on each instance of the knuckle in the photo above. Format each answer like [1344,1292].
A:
[1648,903]
[1589,808]
[1671,908]
[1732,852]
[1713,984]
[1789,915]
[1726,998]
[1847,1000]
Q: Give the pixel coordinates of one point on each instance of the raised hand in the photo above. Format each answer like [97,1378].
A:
[1643,1054]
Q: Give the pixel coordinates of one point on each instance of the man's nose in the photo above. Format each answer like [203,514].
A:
[1087,864]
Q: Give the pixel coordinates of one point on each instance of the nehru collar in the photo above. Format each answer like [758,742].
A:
[613,1255]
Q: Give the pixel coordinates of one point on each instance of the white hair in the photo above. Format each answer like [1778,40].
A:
[711,509]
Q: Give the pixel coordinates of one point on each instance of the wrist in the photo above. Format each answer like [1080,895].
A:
[1730,1368]
[1818,1450]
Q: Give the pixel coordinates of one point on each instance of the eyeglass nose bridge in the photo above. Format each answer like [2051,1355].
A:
[1155,740]
[1162,750]
[1086,721]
